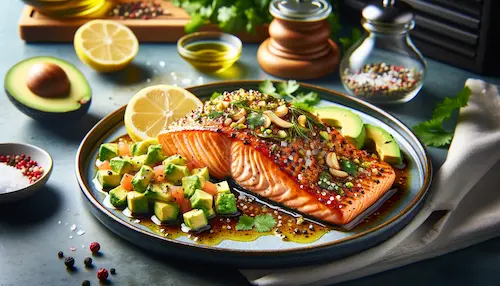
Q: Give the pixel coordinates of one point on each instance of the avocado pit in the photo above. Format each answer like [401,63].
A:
[48,80]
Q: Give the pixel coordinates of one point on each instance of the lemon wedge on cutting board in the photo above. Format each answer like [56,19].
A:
[154,108]
[105,45]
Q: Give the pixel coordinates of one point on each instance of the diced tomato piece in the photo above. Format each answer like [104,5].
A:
[185,205]
[177,194]
[210,188]
[105,165]
[127,182]
[159,173]
[123,149]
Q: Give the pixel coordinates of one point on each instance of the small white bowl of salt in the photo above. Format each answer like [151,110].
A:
[24,169]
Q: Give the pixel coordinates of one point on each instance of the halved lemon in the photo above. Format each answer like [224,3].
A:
[105,45]
[154,108]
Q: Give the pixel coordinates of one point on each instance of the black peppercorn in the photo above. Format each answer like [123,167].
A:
[60,254]
[69,262]
[87,261]
[86,283]
[112,271]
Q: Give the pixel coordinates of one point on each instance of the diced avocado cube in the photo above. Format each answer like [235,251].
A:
[202,173]
[121,165]
[159,192]
[108,178]
[108,151]
[195,219]
[223,187]
[190,184]
[166,212]
[137,202]
[204,201]
[141,148]
[142,178]
[137,162]
[118,197]
[154,155]
[175,159]
[175,173]
[225,204]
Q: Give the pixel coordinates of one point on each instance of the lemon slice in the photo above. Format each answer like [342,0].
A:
[154,108]
[105,45]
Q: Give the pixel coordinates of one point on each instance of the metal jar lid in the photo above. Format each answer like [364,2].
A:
[300,10]
[388,12]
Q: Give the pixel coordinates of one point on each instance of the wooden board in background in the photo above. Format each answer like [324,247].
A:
[35,27]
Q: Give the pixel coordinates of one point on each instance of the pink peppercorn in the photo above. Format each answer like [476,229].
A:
[94,247]
[102,274]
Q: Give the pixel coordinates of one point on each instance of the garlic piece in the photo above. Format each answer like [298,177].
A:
[240,114]
[228,121]
[241,120]
[302,120]
[278,121]
[332,161]
[338,173]
[281,111]
[267,121]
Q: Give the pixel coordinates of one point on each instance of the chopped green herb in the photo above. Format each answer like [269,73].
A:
[348,167]
[268,88]
[245,223]
[288,88]
[325,181]
[306,100]
[215,95]
[264,223]
[255,119]
[285,90]
[215,114]
[432,132]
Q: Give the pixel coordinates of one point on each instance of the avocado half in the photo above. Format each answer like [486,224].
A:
[72,106]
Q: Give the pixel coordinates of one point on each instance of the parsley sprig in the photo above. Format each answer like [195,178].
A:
[261,223]
[432,132]
[286,90]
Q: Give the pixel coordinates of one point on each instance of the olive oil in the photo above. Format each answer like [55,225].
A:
[211,56]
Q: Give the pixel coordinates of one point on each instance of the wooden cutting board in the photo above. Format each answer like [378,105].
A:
[35,27]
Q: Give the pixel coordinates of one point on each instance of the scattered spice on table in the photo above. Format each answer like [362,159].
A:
[87,261]
[60,254]
[69,262]
[86,283]
[112,271]
[381,79]
[102,274]
[138,10]
[94,247]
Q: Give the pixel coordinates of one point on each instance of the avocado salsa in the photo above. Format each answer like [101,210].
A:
[174,200]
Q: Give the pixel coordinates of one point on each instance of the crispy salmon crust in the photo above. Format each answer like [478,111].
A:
[288,171]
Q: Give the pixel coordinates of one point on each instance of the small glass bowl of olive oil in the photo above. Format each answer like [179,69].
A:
[210,52]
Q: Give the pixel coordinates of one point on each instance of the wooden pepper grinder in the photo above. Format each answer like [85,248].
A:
[300,45]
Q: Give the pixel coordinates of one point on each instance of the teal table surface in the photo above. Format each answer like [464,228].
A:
[34,230]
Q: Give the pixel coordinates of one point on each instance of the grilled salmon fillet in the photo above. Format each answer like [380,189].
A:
[282,153]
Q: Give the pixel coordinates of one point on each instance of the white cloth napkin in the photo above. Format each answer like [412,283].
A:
[463,206]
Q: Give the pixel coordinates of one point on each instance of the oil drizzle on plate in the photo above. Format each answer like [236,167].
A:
[290,226]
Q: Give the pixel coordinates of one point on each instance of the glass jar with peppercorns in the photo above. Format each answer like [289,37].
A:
[384,67]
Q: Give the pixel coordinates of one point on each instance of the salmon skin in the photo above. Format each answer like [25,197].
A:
[282,153]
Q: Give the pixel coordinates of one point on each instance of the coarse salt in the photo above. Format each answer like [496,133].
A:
[12,179]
